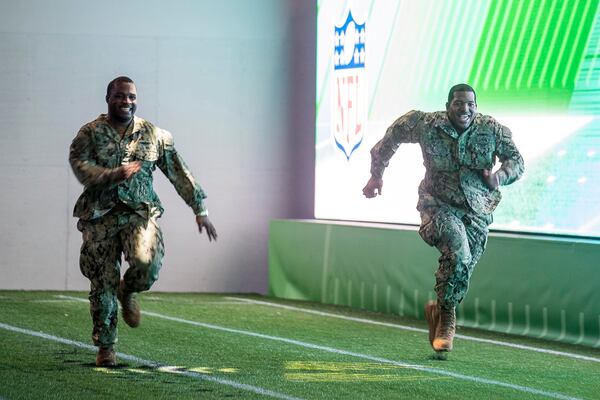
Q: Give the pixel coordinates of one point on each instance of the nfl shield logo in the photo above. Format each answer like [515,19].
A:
[349,86]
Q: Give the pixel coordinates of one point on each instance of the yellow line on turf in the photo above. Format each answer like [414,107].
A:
[148,363]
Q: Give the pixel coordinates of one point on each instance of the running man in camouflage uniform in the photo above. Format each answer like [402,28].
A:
[114,158]
[457,195]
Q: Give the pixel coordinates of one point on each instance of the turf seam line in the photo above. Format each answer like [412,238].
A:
[328,349]
[414,329]
[152,364]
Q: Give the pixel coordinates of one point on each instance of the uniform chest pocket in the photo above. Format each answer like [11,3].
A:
[146,151]
[438,153]
[106,152]
[481,149]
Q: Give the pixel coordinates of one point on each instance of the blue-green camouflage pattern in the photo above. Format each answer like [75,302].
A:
[98,150]
[453,162]
[461,239]
[120,217]
[455,203]
[140,240]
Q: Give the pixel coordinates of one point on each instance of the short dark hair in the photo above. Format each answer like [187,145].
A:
[112,84]
[461,87]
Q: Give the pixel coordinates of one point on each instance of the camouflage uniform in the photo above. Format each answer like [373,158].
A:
[118,218]
[455,204]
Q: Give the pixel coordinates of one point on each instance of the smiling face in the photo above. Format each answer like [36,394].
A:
[462,110]
[122,102]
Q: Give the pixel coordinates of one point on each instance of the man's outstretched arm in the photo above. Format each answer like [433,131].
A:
[401,131]
[175,169]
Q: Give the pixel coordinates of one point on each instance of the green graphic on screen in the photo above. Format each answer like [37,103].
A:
[535,66]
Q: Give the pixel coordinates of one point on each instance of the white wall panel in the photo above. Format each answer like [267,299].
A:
[215,74]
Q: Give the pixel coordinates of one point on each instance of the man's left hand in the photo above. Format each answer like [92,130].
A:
[204,222]
[490,179]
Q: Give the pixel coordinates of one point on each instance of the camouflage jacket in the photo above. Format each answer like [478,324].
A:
[453,161]
[98,150]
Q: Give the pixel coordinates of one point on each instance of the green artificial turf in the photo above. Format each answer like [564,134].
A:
[210,346]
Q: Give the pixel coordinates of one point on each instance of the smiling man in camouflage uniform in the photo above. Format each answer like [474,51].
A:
[114,158]
[458,194]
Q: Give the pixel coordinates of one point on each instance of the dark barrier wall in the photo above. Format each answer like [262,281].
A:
[535,286]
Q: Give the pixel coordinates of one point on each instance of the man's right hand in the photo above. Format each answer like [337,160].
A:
[373,187]
[490,179]
[126,171]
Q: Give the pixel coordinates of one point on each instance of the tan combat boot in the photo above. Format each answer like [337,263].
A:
[445,329]
[432,315]
[106,357]
[131,308]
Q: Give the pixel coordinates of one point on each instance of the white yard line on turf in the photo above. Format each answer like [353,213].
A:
[411,328]
[381,360]
[152,364]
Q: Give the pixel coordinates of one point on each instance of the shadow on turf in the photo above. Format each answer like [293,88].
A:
[439,356]
[118,366]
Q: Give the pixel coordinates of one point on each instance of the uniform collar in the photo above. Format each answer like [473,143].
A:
[133,127]
[444,123]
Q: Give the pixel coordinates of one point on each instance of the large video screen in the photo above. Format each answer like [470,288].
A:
[535,66]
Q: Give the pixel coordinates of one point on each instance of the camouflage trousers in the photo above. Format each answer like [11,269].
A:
[461,238]
[105,240]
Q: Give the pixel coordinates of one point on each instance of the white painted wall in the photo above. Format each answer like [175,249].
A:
[233,80]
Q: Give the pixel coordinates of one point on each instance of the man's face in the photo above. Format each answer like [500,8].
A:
[462,110]
[122,102]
